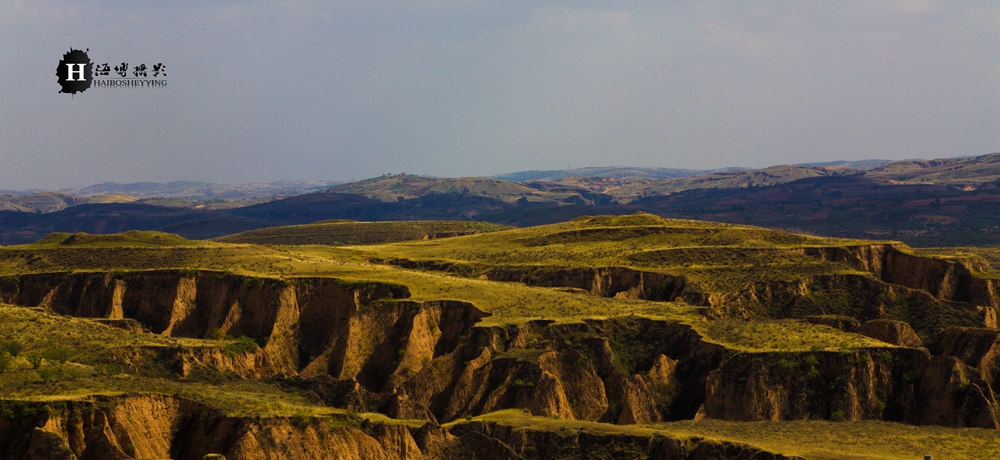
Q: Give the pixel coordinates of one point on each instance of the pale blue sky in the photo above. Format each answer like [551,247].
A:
[261,91]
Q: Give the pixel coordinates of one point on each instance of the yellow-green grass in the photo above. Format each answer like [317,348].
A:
[87,340]
[812,439]
[90,345]
[132,238]
[782,335]
[714,256]
[232,397]
[508,303]
[817,439]
[348,232]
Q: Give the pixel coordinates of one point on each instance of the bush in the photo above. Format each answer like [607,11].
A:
[35,360]
[57,354]
[521,383]
[786,366]
[10,281]
[242,345]
[49,374]
[301,418]
[108,369]
[837,416]
[6,361]
[253,282]
[12,347]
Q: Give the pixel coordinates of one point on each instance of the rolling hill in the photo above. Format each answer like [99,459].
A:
[339,232]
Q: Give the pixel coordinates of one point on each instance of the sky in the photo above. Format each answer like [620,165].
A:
[264,91]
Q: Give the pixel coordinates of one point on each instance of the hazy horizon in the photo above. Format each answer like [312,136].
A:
[264,91]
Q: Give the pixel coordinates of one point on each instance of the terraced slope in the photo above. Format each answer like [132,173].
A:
[736,271]
[614,333]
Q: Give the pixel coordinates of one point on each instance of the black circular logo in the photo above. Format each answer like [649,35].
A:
[75,71]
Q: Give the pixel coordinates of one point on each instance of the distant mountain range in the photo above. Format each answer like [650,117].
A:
[628,172]
[613,172]
[175,194]
[951,201]
[190,190]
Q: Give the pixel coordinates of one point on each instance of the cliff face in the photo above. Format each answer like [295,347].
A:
[929,293]
[366,347]
[943,279]
[616,371]
[618,282]
[502,442]
[313,325]
[978,348]
[411,359]
[905,385]
[185,361]
[160,426]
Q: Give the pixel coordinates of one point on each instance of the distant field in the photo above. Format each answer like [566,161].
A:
[339,233]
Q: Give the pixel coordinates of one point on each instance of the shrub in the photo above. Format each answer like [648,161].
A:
[108,369]
[253,282]
[57,354]
[35,360]
[786,366]
[10,281]
[301,418]
[118,273]
[837,416]
[49,374]
[6,361]
[13,347]
[242,345]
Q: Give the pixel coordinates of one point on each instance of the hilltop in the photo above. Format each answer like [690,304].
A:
[341,232]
